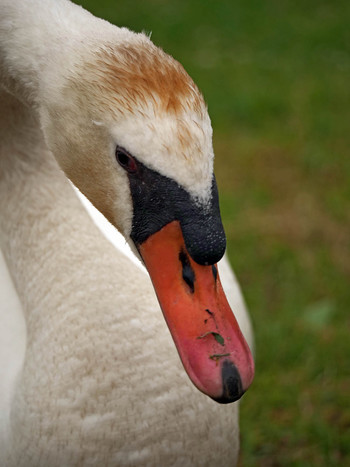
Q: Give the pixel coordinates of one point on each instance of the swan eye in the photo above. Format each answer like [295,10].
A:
[125,160]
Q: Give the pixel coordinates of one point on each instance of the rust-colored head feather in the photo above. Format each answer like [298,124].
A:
[138,75]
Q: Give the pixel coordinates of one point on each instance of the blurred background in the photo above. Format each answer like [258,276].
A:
[276,77]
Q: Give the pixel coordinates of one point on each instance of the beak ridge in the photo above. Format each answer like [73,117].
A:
[206,334]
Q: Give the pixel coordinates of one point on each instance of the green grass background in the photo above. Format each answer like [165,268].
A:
[276,76]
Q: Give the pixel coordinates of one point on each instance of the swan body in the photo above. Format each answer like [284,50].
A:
[88,372]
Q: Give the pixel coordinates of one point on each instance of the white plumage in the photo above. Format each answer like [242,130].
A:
[89,375]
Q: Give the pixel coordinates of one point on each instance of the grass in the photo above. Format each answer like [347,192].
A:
[276,78]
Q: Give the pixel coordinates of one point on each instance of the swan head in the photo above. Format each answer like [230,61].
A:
[131,130]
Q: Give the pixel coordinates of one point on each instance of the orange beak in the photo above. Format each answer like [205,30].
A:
[210,343]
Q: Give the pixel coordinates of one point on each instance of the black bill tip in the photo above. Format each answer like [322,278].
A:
[232,384]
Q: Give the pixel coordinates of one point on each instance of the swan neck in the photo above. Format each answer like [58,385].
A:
[39,39]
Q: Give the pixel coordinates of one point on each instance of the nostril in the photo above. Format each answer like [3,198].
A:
[187,271]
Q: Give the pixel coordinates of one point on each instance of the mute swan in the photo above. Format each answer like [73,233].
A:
[93,378]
